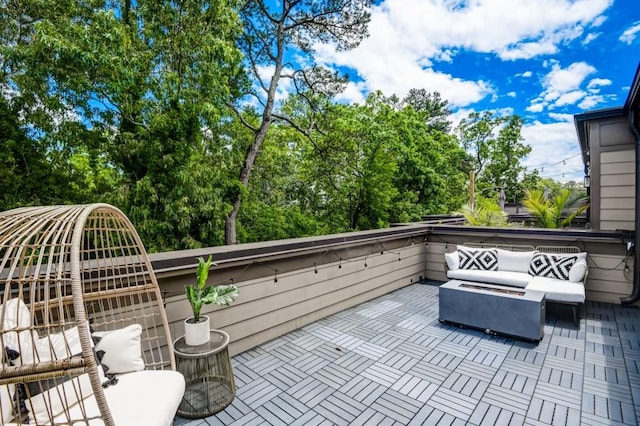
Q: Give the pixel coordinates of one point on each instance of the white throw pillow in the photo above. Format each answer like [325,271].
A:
[577,271]
[6,406]
[453,261]
[514,261]
[120,351]
[15,314]
[49,398]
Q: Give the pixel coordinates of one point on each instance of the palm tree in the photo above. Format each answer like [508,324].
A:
[556,212]
[484,213]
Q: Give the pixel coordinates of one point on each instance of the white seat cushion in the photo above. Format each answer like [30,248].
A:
[139,398]
[558,290]
[146,397]
[513,279]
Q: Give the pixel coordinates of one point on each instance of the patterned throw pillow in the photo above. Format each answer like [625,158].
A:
[551,266]
[119,351]
[481,259]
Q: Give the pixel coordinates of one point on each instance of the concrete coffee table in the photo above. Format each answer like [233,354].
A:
[506,310]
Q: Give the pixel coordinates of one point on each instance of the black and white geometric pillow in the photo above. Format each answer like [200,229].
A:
[481,259]
[551,266]
[119,351]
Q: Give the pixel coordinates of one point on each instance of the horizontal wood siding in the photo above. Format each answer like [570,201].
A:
[617,177]
[267,308]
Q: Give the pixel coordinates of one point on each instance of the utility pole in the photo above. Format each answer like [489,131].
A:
[472,196]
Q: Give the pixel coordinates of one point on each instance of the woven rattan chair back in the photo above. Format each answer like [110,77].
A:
[74,266]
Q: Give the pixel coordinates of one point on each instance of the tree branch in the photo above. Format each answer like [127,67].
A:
[244,122]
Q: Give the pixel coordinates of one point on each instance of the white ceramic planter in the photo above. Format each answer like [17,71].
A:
[196,333]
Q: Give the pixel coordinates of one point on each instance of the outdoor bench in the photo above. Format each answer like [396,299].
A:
[560,272]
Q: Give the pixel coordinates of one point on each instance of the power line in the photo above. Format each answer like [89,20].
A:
[561,162]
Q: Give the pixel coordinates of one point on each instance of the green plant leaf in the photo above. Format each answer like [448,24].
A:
[200,294]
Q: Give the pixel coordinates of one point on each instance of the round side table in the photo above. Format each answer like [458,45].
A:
[210,386]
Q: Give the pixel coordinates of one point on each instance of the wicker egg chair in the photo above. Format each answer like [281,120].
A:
[71,276]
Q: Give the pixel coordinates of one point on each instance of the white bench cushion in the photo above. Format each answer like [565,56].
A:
[139,398]
[514,279]
[558,290]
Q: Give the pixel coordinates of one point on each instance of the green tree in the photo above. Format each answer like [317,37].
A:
[432,105]
[277,202]
[377,163]
[496,149]
[556,211]
[431,176]
[150,81]
[354,167]
[271,35]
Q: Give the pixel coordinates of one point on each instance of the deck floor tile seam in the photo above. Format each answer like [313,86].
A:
[520,367]
[605,386]
[570,399]
[399,333]
[393,404]
[503,398]
[535,373]
[576,367]
[629,356]
[474,369]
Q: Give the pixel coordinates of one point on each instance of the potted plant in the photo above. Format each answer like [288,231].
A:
[196,328]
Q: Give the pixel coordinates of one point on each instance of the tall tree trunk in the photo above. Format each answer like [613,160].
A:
[250,157]
[249,161]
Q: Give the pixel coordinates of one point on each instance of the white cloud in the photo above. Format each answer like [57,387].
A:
[352,94]
[562,80]
[536,107]
[457,116]
[590,37]
[285,85]
[568,118]
[551,143]
[630,34]
[382,72]
[562,86]
[569,98]
[591,101]
[526,74]
[408,36]
[597,82]
[504,112]
[511,94]
[598,21]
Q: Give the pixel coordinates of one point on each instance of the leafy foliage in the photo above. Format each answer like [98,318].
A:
[495,150]
[273,33]
[173,111]
[485,213]
[557,211]
[201,294]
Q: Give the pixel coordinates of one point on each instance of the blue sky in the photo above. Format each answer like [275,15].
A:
[544,60]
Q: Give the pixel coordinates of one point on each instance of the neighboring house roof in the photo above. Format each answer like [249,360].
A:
[581,120]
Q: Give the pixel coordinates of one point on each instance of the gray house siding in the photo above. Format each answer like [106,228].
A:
[612,162]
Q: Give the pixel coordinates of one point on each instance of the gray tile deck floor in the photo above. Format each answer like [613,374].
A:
[390,362]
